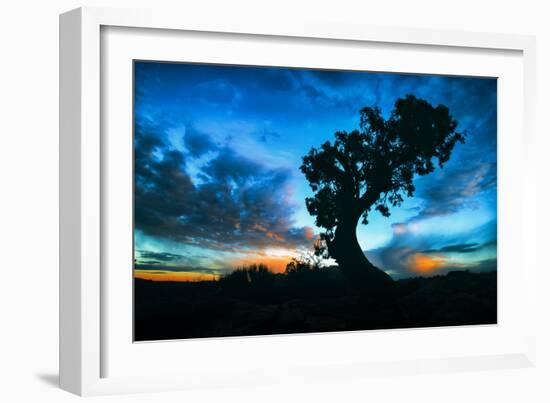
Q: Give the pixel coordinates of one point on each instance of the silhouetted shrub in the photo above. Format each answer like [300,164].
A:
[254,282]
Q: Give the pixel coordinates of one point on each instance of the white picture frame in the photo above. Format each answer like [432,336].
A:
[83,177]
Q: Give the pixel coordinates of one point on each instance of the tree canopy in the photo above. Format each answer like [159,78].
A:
[374,166]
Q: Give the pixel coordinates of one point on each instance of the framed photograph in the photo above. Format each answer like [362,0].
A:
[236,199]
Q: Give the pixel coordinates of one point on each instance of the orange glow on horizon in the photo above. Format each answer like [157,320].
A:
[159,275]
[425,264]
[276,264]
[275,258]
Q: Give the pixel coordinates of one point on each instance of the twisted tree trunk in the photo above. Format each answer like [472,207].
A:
[345,249]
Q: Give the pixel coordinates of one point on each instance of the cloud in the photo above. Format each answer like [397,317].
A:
[197,142]
[318,97]
[277,79]
[453,188]
[217,92]
[158,268]
[266,134]
[412,253]
[335,78]
[239,203]
[159,256]
[460,248]
[314,90]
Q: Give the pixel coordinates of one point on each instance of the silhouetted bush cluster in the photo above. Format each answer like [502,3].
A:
[300,280]
[254,282]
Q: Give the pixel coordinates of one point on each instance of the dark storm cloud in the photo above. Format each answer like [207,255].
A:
[229,166]
[240,203]
[197,142]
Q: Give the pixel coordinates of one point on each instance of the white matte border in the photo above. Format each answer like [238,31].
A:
[120,46]
[85,291]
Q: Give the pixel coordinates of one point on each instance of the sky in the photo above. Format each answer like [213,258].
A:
[217,180]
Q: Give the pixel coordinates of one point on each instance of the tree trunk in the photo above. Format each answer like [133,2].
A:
[347,252]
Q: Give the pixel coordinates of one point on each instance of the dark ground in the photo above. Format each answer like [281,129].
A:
[307,302]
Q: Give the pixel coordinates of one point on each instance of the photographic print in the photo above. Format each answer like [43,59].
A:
[274,200]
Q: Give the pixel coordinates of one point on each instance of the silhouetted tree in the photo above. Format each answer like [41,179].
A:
[374,167]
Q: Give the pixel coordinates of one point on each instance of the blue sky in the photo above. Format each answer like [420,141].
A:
[218,185]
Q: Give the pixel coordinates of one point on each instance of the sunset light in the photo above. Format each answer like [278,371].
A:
[425,264]
[160,275]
